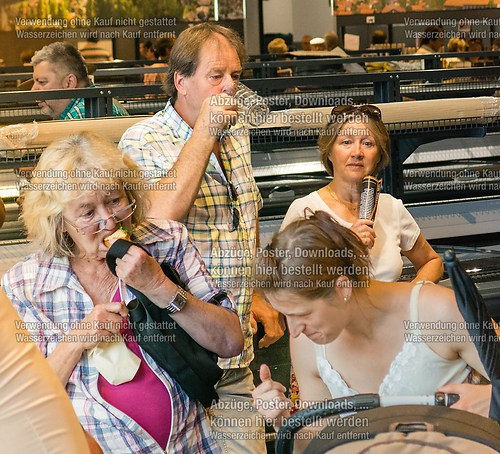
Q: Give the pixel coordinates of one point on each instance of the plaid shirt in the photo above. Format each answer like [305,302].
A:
[155,144]
[51,301]
[75,110]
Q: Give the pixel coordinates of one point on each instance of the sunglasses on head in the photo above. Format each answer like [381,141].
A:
[367,109]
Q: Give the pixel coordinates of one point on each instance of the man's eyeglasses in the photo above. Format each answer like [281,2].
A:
[340,112]
[235,213]
[100,225]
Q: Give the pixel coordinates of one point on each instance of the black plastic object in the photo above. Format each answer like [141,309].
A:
[445,399]
[368,424]
[479,324]
[284,439]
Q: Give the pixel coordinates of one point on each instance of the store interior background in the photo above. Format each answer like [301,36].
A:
[298,17]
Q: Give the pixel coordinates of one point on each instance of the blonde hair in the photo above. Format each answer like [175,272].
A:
[456,45]
[68,169]
[332,130]
[277,46]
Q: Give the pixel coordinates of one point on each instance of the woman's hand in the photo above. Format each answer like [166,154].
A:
[473,398]
[104,321]
[142,272]
[269,398]
[364,229]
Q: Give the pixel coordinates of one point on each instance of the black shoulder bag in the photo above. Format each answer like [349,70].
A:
[192,366]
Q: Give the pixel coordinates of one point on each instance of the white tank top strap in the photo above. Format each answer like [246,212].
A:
[415,292]
[320,351]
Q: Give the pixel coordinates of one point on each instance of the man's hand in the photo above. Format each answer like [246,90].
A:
[216,114]
[473,398]
[274,325]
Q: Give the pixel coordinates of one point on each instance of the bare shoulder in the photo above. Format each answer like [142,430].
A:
[437,302]
[303,353]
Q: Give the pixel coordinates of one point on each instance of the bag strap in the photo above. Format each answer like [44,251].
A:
[120,247]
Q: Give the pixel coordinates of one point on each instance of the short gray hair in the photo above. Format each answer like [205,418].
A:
[65,54]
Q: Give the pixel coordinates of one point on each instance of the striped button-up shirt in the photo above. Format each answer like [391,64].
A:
[51,302]
[155,144]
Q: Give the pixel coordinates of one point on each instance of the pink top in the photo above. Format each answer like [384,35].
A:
[145,398]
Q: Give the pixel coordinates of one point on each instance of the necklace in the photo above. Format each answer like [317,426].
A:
[352,207]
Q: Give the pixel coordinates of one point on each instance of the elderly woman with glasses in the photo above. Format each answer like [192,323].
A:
[83,189]
[353,145]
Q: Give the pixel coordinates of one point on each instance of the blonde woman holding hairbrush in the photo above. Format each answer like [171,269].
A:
[353,145]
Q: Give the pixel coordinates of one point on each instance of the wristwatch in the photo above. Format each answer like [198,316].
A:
[178,301]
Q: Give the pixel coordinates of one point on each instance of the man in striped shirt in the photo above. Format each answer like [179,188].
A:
[201,175]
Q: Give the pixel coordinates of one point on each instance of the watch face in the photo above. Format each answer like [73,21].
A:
[178,302]
[180,298]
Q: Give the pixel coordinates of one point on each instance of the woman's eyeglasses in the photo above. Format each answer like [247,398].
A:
[235,213]
[340,112]
[100,225]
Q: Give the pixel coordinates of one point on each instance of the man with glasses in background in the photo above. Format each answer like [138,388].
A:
[204,179]
[59,66]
